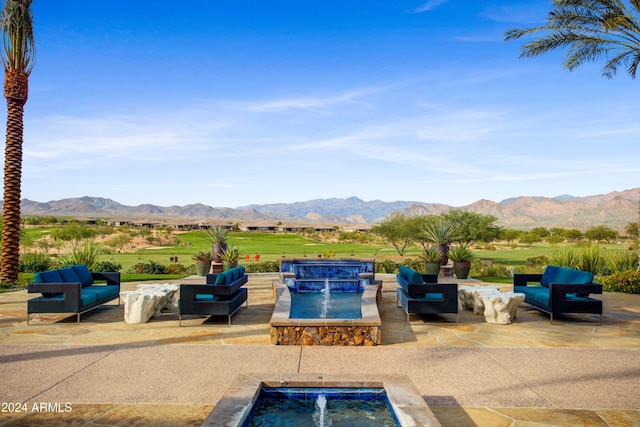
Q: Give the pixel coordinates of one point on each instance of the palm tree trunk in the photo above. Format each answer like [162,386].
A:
[12,183]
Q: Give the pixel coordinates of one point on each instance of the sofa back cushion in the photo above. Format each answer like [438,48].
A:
[574,277]
[229,276]
[83,274]
[69,275]
[554,274]
[49,276]
[410,275]
[549,275]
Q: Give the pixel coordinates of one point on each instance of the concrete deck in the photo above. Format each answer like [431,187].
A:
[103,372]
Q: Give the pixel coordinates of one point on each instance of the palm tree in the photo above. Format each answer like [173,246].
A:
[591,30]
[18,57]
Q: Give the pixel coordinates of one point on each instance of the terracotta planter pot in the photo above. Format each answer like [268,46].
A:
[461,269]
[216,250]
[444,250]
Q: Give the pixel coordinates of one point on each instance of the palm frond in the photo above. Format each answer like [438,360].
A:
[16,22]
[590,30]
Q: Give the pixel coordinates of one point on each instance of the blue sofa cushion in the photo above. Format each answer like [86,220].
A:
[574,277]
[549,275]
[69,275]
[221,279]
[539,294]
[432,297]
[83,274]
[206,298]
[411,276]
[49,276]
[101,292]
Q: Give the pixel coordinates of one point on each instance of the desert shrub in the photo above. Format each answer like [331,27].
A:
[538,260]
[592,258]
[150,267]
[263,267]
[386,266]
[108,266]
[622,281]
[177,268]
[567,257]
[480,268]
[622,260]
[416,264]
[85,252]
[35,262]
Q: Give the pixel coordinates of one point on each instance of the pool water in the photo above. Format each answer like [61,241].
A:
[340,305]
[336,407]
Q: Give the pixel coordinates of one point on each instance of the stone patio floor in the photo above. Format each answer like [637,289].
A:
[598,385]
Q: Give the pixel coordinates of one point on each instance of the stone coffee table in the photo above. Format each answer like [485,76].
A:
[148,301]
[501,307]
[497,307]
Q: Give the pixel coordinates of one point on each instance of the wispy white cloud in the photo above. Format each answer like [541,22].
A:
[430,5]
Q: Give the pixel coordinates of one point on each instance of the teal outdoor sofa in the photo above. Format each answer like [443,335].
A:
[72,290]
[222,295]
[560,290]
[421,294]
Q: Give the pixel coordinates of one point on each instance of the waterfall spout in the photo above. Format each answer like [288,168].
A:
[320,417]
[326,300]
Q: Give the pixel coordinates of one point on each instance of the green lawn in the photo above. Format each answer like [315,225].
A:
[272,246]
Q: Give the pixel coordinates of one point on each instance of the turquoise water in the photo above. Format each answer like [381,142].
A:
[341,305]
[304,407]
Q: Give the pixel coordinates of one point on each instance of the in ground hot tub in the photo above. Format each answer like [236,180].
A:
[321,400]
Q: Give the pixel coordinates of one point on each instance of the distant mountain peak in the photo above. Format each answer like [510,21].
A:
[615,209]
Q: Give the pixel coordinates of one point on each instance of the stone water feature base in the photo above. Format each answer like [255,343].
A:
[346,332]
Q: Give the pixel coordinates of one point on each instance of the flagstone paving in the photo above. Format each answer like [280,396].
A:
[250,327]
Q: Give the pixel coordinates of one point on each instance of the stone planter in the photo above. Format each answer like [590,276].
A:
[228,265]
[432,267]
[216,250]
[461,269]
[202,267]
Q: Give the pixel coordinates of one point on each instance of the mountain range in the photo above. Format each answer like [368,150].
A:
[614,209]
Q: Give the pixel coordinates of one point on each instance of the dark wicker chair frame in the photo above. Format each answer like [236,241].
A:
[70,302]
[559,301]
[228,298]
[410,297]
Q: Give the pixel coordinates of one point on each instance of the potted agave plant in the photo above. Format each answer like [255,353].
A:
[203,262]
[441,232]
[230,257]
[431,258]
[461,256]
[218,236]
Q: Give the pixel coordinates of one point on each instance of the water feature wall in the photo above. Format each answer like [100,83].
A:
[310,274]
[316,275]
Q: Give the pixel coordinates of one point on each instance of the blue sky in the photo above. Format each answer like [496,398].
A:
[233,102]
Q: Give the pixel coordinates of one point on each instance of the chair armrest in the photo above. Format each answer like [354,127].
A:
[111,277]
[449,291]
[429,278]
[560,290]
[54,288]
[523,279]
[71,298]
[188,291]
